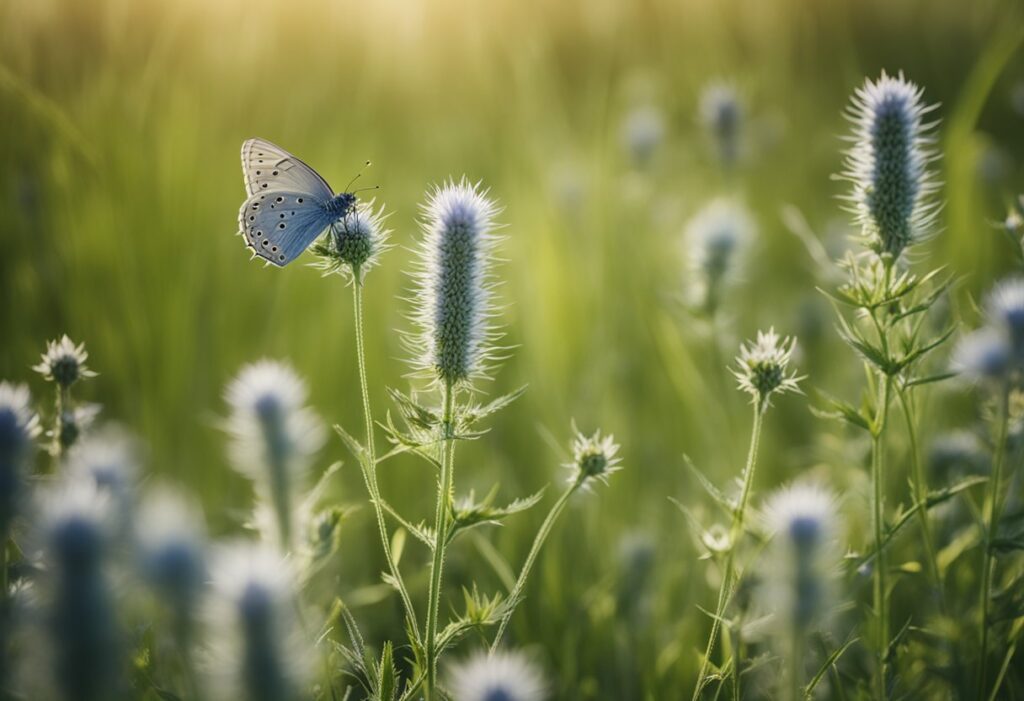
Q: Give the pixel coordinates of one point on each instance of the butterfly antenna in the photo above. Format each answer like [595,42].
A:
[358,175]
[364,189]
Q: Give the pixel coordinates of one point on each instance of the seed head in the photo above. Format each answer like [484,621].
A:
[453,296]
[274,436]
[983,355]
[642,132]
[353,245]
[721,114]
[19,426]
[256,645]
[888,164]
[593,457]
[763,367]
[64,362]
[716,238]
[501,676]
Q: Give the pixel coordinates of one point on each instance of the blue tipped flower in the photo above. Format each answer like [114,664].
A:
[798,576]
[79,611]
[642,133]
[274,438]
[716,238]
[353,246]
[19,427]
[501,676]
[453,296]
[172,555]
[1004,310]
[888,164]
[256,647]
[721,114]
[64,362]
[983,356]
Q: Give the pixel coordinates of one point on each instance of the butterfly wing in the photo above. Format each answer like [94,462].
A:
[279,226]
[270,168]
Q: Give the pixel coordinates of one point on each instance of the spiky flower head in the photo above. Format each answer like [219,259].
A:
[763,367]
[593,457]
[354,245]
[715,239]
[75,532]
[19,426]
[172,554]
[274,436]
[983,355]
[1004,311]
[75,421]
[642,132]
[108,459]
[888,164]
[798,575]
[453,296]
[256,646]
[721,113]
[500,676]
[64,362]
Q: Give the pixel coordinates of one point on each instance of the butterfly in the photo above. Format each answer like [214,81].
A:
[289,204]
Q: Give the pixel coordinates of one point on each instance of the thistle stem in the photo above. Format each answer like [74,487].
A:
[725,590]
[369,464]
[538,543]
[921,492]
[878,522]
[994,509]
[440,537]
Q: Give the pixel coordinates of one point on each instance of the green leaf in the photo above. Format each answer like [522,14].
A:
[354,446]
[387,677]
[830,662]
[475,413]
[468,513]
[843,411]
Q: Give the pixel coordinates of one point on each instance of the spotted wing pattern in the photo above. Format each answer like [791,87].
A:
[269,168]
[279,225]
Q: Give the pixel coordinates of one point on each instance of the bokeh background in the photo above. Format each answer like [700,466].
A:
[120,184]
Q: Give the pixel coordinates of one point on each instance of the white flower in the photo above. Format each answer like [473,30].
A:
[982,355]
[721,113]
[642,132]
[593,456]
[763,367]
[64,362]
[502,676]
[716,239]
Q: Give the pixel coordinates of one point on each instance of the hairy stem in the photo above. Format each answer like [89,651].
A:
[993,512]
[538,543]
[878,522]
[444,490]
[725,590]
[369,464]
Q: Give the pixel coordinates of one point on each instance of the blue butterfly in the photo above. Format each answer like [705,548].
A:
[289,204]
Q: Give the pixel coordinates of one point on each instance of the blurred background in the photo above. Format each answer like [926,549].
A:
[120,186]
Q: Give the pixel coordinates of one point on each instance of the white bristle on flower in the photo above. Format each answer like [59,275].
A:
[354,245]
[453,296]
[274,436]
[108,459]
[501,676]
[888,164]
[64,362]
[1004,311]
[721,113]
[983,355]
[763,367]
[716,239]
[257,651]
[593,457]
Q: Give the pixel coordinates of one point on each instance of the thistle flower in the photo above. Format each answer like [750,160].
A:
[1004,309]
[274,436]
[593,457]
[888,164]
[453,290]
[19,427]
[642,132]
[764,367]
[172,555]
[500,676]
[715,239]
[79,612]
[257,651]
[798,574]
[983,355]
[721,113]
[64,362]
[74,422]
[353,246]
[107,460]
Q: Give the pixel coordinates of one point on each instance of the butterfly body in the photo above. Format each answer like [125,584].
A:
[289,203]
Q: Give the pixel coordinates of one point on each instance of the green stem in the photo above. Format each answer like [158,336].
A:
[878,505]
[725,590]
[921,492]
[988,562]
[440,537]
[538,542]
[369,464]
[796,651]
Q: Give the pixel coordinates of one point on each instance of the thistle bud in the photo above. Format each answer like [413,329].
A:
[354,245]
[716,238]
[642,132]
[593,457]
[274,438]
[763,367]
[721,115]
[501,676]
[453,296]
[64,362]
[888,164]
